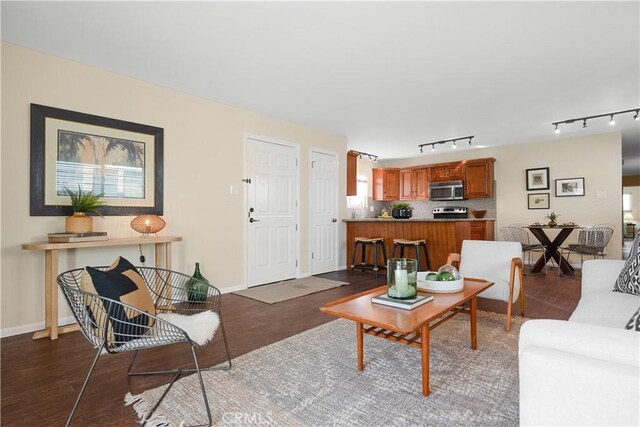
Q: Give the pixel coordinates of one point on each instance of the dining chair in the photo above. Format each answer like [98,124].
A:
[519,234]
[497,262]
[161,310]
[591,242]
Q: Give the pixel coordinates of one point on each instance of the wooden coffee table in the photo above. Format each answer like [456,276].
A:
[410,327]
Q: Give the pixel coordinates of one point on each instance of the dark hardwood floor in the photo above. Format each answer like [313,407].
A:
[40,379]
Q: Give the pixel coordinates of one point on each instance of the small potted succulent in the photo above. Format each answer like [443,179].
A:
[82,203]
[401,210]
[552,217]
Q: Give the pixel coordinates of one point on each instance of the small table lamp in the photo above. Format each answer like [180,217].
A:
[148,224]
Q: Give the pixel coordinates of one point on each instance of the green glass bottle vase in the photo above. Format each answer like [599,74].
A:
[197,286]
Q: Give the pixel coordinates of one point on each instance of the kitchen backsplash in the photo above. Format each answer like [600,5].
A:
[424,209]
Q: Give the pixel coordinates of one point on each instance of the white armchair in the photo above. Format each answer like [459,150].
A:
[497,262]
[584,371]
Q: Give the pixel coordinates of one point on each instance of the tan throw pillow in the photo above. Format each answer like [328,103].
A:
[123,283]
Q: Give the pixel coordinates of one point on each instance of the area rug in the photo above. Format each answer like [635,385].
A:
[289,289]
[311,379]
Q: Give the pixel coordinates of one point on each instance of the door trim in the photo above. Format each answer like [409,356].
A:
[246,136]
[336,232]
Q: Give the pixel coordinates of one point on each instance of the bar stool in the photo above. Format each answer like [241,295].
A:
[416,244]
[363,243]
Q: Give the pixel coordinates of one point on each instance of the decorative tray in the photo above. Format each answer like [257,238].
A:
[439,287]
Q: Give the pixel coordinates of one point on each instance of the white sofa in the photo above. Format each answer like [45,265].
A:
[584,371]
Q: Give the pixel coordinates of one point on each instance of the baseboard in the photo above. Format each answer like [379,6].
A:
[32,327]
[303,275]
[231,289]
[342,267]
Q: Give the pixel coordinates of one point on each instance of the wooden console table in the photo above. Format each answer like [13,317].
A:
[51,328]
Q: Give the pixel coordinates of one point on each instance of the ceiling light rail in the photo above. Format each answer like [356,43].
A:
[362,154]
[444,141]
[610,115]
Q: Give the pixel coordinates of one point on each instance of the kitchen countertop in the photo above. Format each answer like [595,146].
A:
[415,220]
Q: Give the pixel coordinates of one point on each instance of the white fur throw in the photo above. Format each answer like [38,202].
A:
[200,327]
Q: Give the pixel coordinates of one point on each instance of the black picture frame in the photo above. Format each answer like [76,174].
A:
[152,203]
[538,201]
[570,187]
[537,179]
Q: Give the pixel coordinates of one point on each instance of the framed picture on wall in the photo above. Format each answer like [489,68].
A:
[569,187]
[537,179]
[120,160]
[538,200]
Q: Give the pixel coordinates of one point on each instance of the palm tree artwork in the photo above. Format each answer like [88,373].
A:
[105,165]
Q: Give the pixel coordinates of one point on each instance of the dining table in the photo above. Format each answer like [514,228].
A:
[552,247]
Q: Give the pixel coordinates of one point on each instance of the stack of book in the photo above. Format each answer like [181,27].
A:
[406,304]
[77,237]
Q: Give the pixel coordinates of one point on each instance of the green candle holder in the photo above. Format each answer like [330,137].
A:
[402,280]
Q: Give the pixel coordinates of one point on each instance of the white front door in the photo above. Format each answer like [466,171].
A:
[323,210]
[272,211]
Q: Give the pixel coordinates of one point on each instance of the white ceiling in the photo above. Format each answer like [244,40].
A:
[387,75]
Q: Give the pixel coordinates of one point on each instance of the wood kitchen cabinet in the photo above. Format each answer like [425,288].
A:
[414,184]
[478,181]
[386,184]
[352,173]
[447,172]
[473,230]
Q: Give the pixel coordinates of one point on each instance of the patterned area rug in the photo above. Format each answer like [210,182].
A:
[311,379]
[289,289]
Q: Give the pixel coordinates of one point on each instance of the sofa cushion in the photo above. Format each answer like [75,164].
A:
[606,308]
[629,278]
[634,322]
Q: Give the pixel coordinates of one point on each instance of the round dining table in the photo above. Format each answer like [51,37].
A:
[552,246]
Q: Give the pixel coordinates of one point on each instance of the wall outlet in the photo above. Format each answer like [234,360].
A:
[234,189]
[601,194]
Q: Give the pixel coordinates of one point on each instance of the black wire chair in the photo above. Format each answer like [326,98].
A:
[106,330]
[591,242]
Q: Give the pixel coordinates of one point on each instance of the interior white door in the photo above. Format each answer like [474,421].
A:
[323,212]
[273,215]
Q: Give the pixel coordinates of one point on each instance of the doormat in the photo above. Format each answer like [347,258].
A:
[289,289]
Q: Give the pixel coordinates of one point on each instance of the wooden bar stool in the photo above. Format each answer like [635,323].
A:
[416,244]
[363,243]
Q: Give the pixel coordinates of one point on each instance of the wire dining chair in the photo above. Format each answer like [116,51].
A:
[177,320]
[519,234]
[591,242]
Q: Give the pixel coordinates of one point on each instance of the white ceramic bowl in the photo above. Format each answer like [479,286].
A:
[439,287]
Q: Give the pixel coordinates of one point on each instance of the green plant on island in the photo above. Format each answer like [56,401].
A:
[85,202]
[402,206]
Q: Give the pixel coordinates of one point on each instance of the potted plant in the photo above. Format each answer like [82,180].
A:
[401,210]
[82,203]
[552,219]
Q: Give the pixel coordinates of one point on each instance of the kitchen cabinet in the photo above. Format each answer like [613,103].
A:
[414,184]
[447,172]
[478,182]
[474,230]
[352,173]
[386,184]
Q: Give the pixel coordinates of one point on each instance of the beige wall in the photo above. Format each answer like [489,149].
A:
[203,153]
[597,158]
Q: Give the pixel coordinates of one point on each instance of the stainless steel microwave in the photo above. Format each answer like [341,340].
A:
[448,190]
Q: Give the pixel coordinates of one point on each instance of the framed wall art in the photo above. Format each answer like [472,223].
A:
[538,201]
[121,160]
[569,187]
[538,179]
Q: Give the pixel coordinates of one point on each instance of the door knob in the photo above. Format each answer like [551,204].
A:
[253,220]
[334,220]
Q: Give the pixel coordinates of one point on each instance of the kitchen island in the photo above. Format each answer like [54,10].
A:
[443,236]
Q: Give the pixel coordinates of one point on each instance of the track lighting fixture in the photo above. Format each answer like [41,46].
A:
[444,141]
[584,119]
[361,154]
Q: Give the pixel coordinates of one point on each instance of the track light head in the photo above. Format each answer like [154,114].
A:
[584,123]
[433,147]
[636,118]
[557,131]
[421,149]
[454,145]
[375,159]
[470,141]
[611,121]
